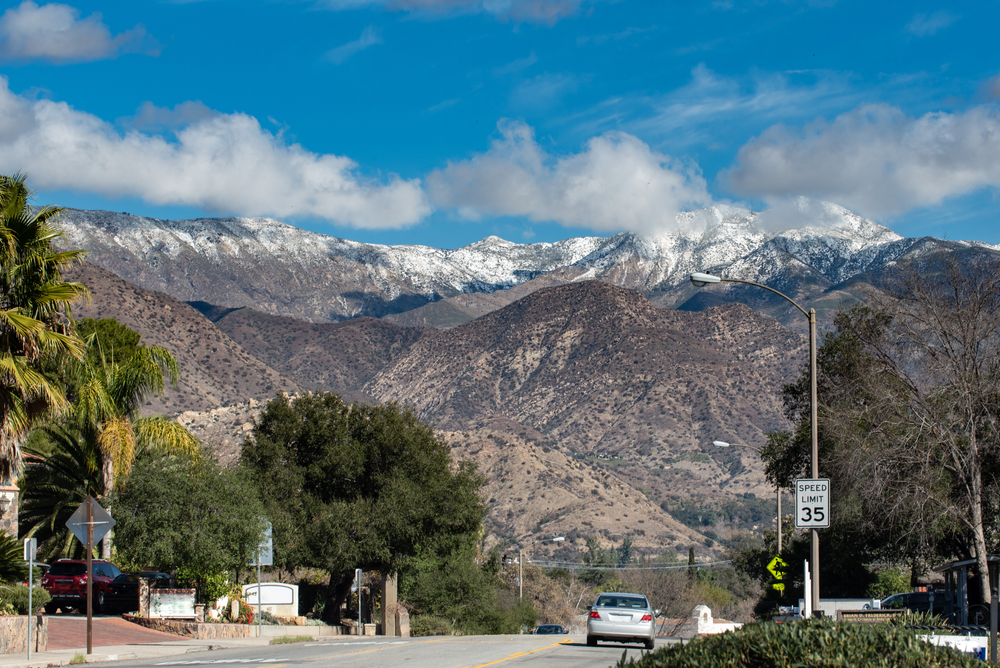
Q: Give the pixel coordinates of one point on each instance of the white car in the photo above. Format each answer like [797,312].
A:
[619,617]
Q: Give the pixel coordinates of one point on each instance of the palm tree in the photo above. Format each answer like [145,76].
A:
[57,479]
[35,316]
[107,406]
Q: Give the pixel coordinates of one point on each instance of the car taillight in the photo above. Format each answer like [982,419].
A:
[646,618]
[594,614]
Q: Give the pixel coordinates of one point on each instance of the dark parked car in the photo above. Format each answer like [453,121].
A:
[547,629]
[66,583]
[916,601]
[123,595]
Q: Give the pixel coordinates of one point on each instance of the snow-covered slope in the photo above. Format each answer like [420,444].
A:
[271,266]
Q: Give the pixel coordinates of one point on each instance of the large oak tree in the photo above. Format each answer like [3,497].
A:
[355,486]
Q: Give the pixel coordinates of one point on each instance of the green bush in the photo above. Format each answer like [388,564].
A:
[888,582]
[811,643]
[429,625]
[16,596]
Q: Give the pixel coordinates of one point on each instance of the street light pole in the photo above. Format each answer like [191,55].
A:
[700,280]
[777,488]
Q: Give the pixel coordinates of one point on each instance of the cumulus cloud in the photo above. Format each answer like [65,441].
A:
[875,160]
[534,11]
[224,163]
[369,37]
[57,34]
[923,25]
[616,182]
[151,118]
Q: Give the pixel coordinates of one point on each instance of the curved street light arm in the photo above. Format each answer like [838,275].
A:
[761,285]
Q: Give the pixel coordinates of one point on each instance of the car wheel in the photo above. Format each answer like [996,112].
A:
[649,644]
[50,608]
[99,603]
[591,641]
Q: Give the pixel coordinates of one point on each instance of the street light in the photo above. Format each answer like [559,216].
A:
[700,280]
[777,488]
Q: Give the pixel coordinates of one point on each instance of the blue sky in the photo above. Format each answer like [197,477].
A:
[440,122]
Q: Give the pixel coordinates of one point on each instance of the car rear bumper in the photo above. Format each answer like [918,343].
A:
[621,631]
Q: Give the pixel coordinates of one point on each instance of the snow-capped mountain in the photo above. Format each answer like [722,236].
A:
[274,267]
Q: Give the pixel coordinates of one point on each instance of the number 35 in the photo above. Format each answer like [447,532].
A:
[814,514]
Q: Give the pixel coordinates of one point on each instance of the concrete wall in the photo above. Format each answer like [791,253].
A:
[14,634]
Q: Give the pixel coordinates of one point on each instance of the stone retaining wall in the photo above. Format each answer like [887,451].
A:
[216,631]
[14,634]
[192,629]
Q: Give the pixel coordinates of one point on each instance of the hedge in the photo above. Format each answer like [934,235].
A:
[810,643]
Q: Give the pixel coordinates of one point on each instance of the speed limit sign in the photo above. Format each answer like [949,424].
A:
[812,503]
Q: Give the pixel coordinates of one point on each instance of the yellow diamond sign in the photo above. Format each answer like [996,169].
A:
[777,567]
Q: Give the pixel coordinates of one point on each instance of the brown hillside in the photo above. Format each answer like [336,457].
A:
[596,369]
[214,370]
[339,357]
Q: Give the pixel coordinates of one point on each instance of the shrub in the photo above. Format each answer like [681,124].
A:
[813,642]
[429,625]
[16,596]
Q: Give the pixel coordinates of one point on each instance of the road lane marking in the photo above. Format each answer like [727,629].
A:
[362,642]
[516,655]
[219,661]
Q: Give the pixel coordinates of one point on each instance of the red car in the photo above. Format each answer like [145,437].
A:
[66,583]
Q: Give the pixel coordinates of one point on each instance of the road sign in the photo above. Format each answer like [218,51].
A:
[778,586]
[31,549]
[265,551]
[812,503]
[101,520]
[777,568]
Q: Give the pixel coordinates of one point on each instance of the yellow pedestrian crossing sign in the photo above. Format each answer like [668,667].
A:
[777,568]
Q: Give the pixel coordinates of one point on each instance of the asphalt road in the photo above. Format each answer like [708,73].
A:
[434,652]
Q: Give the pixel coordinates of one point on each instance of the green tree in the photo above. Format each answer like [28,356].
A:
[357,486]
[35,316]
[181,510]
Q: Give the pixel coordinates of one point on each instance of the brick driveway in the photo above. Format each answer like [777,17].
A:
[70,632]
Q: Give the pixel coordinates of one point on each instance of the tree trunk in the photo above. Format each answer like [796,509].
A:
[109,482]
[336,594]
[979,541]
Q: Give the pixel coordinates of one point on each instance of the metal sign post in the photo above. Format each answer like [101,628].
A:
[90,523]
[90,574]
[357,579]
[30,550]
[263,557]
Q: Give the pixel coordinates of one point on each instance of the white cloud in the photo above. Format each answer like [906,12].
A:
[535,11]
[615,183]
[151,118]
[56,33]
[369,37]
[543,90]
[224,163]
[875,160]
[710,105]
[923,25]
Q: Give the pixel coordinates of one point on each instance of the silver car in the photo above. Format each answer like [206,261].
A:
[621,618]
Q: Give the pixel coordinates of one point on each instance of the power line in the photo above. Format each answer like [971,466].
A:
[575,565]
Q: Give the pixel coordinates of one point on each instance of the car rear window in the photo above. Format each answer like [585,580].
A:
[621,602]
[68,569]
